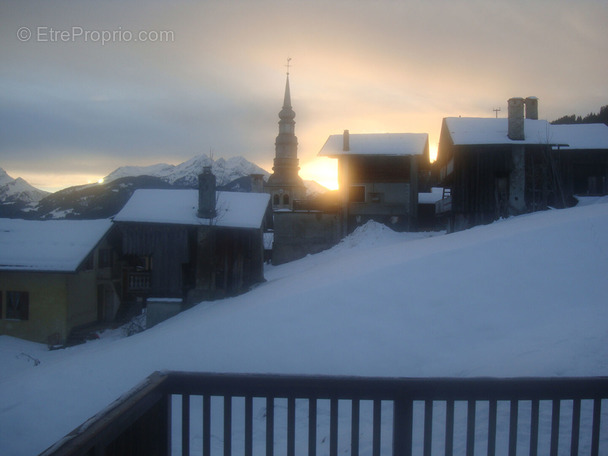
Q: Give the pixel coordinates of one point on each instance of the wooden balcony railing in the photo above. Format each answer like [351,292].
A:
[191,413]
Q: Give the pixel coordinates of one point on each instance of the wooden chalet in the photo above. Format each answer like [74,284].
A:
[379,176]
[190,244]
[493,168]
[56,276]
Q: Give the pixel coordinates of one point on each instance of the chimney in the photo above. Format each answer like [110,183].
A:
[516,119]
[257,183]
[206,193]
[346,141]
[532,108]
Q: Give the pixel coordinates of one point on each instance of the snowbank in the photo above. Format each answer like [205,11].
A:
[522,297]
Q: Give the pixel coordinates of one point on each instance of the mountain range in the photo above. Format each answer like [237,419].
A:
[18,199]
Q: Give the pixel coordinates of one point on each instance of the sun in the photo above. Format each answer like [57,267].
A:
[322,170]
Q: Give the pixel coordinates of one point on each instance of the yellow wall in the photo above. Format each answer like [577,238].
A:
[47,305]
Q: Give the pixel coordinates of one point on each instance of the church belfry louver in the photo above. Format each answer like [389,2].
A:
[285,185]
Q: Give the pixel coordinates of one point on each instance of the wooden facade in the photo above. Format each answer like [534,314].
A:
[489,180]
[189,262]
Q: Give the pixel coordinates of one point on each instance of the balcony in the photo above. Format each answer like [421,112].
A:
[195,413]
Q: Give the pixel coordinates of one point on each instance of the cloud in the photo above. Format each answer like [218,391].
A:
[217,84]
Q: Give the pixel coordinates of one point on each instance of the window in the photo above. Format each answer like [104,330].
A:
[0,305]
[17,305]
[356,194]
[275,200]
[285,200]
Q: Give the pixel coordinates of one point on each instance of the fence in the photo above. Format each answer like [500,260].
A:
[196,413]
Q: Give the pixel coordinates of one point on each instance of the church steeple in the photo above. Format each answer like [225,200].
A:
[285,184]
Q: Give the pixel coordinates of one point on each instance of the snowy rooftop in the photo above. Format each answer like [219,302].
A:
[376,144]
[581,136]
[53,245]
[234,210]
[476,130]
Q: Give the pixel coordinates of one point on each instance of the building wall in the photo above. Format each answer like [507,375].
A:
[81,299]
[297,234]
[48,305]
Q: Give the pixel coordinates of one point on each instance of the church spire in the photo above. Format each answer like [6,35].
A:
[285,184]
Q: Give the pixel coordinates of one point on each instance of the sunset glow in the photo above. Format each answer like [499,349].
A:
[73,110]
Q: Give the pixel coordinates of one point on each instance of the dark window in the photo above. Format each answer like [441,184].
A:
[104,259]
[275,200]
[285,199]
[356,194]
[0,305]
[17,305]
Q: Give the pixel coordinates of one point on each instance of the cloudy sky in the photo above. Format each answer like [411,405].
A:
[86,87]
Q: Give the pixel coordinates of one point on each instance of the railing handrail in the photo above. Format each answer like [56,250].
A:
[149,403]
[387,388]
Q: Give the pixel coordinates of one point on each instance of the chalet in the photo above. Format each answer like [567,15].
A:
[56,276]
[379,176]
[493,168]
[192,245]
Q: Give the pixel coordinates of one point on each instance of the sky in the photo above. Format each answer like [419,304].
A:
[87,87]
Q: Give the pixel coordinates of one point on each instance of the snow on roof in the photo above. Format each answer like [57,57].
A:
[234,209]
[52,245]
[476,130]
[376,144]
[581,136]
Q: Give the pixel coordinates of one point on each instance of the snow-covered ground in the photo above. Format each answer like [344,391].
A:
[525,296]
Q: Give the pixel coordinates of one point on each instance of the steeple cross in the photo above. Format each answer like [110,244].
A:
[288,65]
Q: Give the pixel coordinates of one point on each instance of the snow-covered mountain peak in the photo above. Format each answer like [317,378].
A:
[186,173]
[18,190]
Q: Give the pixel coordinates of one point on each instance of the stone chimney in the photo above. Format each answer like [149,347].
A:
[346,141]
[206,193]
[257,183]
[516,119]
[532,108]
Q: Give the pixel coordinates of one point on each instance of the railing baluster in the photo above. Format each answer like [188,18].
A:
[227,425]
[513,428]
[291,426]
[428,427]
[269,426]
[449,428]
[312,426]
[555,427]
[534,427]
[595,427]
[185,425]
[206,425]
[377,427]
[492,428]
[471,428]
[403,409]
[333,427]
[248,426]
[576,426]
[354,427]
